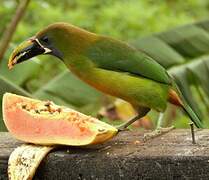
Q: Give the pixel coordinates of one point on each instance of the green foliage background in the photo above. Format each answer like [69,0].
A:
[118,18]
[122,19]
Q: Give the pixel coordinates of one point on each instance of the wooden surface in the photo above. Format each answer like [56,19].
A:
[170,156]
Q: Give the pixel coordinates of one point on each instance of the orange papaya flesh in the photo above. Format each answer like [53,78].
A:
[43,122]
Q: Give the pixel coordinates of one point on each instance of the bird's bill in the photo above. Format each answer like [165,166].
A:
[26,50]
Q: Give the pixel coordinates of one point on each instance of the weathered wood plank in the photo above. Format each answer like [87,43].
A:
[170,156]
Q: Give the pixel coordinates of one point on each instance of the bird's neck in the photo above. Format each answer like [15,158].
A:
[79,65]
[75,50]
[78,40]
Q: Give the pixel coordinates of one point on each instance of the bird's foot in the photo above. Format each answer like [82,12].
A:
[157,132]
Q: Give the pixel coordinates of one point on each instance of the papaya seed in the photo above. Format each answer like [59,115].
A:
[48,103]
[24,106]
[101,130]
[59,110]
[37,111]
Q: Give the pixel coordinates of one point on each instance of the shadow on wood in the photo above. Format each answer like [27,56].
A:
[170,156]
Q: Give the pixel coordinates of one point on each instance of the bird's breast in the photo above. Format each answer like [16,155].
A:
[134,89]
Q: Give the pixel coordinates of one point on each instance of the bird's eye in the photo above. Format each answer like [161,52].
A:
[45,39]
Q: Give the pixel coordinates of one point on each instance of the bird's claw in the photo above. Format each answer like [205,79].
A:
[157,132]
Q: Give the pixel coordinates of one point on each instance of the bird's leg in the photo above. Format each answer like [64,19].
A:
[159,130]
[141,113]
[160,120]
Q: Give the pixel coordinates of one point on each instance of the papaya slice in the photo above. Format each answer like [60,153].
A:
[45,123]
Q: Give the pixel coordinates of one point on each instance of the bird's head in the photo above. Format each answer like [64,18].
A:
[59,40]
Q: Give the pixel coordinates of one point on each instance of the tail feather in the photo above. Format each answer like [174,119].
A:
[188,110]
[177,98]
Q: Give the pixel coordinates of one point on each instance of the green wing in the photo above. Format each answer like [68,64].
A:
[115,55]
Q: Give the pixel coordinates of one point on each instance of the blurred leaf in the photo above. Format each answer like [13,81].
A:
[190,41]
[66,89]
[8,86]
[204,25]
[159,50]
[21,74]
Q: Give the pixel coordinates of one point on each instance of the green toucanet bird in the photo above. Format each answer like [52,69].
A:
[109,65]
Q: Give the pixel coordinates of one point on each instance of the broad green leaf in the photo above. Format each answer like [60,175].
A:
[190,41]
[204,25]
[21,73]
[159,50]
[66,89]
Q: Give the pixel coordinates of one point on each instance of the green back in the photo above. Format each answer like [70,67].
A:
[111,54]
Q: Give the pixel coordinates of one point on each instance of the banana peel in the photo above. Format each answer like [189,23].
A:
[25,159]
